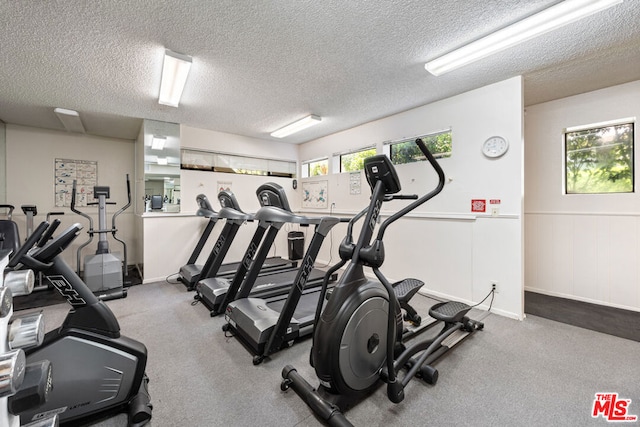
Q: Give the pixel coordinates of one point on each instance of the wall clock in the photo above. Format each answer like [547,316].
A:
[495,146]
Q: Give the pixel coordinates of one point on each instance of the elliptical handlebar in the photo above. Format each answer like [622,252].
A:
[441,179]
[73,205]
[122,209]
[114,229]
[90,232]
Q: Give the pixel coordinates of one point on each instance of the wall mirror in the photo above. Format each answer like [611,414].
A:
[161,166]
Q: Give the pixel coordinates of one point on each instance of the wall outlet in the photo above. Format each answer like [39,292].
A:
[494,286]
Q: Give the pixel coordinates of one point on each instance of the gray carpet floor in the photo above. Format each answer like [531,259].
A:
[531,373]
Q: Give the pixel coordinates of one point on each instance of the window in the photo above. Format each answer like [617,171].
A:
[315,168]
[406,150]
[354,161]
[599,159]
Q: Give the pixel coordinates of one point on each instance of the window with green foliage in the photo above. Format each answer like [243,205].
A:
[407,151]
[354,161]
[599,159]
[317,167]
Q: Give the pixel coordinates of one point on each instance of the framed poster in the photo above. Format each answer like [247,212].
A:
[315,194]
[84,172]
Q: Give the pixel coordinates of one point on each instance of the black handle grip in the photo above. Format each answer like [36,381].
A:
[48,233]
[37,234]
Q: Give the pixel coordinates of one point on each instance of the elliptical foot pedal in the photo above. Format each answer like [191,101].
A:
[450,312]
[406,289]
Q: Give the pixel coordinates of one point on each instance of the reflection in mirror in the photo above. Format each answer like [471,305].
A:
[161,166]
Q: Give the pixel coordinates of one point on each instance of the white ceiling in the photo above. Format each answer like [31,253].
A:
[259,65]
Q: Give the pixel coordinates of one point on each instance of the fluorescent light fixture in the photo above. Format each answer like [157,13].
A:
[175,70]
[297,126]
[162,161]
[70,119]
[157,142]
[547,20]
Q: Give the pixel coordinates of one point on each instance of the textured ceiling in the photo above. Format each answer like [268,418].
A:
[259,65]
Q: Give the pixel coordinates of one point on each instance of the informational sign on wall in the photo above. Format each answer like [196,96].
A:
[355,183]
[224,185]
[315,195]
[84,172]
[478,205]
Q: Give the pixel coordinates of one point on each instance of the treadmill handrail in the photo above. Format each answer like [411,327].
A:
[234,214]
[275,214]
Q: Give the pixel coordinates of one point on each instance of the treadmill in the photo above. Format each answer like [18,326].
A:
[266,326]
[191,269]
[251,278]
[191,272]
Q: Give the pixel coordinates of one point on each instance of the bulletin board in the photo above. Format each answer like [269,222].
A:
[84,172]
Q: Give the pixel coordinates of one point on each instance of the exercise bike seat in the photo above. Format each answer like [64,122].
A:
[406,289]
[449,312]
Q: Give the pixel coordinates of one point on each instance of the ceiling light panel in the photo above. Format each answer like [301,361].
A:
[297,126]
[175,70]
[70,120]
[549,19]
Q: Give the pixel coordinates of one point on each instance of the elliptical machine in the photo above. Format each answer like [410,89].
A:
[96,370]
[104,273]
[359,339]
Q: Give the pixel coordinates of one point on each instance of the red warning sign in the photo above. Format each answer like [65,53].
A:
[478,205]
[494,201]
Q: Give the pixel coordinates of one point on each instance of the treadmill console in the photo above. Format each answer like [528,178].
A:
[272,194]
[204,206]
[228,200]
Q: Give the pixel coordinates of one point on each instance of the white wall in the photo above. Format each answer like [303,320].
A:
[579,246]
[455,252]
[170,238]
[3,163]
[31,155]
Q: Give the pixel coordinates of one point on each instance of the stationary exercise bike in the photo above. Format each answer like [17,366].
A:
[360,339]
[96,370]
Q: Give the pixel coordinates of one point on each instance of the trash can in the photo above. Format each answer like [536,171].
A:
[296,245]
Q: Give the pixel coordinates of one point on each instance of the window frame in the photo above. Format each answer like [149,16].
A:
[337,157]
[593,127]
[305,169]
[388,146]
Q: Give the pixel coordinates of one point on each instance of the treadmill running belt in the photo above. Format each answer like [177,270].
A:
[270,263]
[268,283]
